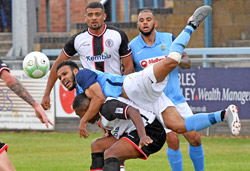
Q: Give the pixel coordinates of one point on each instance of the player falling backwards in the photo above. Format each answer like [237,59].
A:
[125,140]
[145,88]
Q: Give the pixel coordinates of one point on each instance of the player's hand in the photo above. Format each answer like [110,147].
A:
[184,65]
[46,102]
[83,129]
[42,115]
[106,132]
[146,140]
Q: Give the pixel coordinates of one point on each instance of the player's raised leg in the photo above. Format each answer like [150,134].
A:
[194,21]
[203,120]
[154,77]
[164,67]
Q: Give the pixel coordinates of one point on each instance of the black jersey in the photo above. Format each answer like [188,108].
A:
[113,115]
[101,52]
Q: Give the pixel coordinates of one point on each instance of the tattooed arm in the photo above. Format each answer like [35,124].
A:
[16,86]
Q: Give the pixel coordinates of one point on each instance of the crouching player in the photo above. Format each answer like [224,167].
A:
[134,132]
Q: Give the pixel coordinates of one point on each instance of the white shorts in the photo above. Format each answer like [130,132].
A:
[183,109]
[143,89]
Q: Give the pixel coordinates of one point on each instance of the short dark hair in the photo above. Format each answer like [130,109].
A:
[79,100]
[95,5]
[146,10]
[70,63]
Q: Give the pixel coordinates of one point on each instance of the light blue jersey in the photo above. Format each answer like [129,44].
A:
[111,84]
[144,55]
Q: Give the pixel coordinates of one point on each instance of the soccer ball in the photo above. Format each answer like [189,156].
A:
[36,64]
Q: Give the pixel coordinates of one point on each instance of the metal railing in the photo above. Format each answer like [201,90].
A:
[205,53]
[218,51]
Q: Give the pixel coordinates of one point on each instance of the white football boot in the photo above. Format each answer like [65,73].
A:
[232,118]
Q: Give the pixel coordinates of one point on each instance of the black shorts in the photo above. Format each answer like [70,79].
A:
[3,147]
[155,131]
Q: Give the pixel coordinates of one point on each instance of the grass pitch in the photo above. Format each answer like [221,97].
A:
[38,151]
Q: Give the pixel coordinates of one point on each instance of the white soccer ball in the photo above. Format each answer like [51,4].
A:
[36,64]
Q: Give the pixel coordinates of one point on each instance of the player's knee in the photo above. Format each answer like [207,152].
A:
[195,139]
[93,145]
[96,146]
[173,120]
[178,128]
[172,140]
[109,153]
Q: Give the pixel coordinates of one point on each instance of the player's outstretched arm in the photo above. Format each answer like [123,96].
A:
[16,86]
[97,98]
[42,115]
[135,116]
[51,81]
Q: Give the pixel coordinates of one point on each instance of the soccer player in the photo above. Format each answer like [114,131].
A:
[19,90]
[100,46]
[144,88]
[149,47]
[134,132]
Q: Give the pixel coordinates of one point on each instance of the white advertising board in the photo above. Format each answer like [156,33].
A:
[15,113]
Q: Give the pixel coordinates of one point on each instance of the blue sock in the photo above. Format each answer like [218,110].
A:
[182,40]
[197,156]
[175,159]
[200,121]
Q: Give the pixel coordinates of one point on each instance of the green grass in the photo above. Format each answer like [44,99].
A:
[38,151]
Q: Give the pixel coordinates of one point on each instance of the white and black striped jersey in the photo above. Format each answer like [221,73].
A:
[102,52]
[114,117]
[3,66]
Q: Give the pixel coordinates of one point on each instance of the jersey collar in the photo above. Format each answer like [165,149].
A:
[98,35]
[143,44]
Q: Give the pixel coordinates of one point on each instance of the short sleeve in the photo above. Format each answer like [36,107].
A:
[3,66]
[124,49]
[69,47]
[85,78]
[113,109]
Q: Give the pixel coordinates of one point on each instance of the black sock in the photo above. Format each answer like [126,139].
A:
[111,164]
[190,24]
[97,161]
[223,115]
